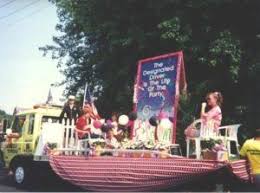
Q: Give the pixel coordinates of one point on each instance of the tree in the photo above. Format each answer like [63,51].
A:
[101,42]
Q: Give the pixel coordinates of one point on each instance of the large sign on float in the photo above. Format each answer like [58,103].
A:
[158,84]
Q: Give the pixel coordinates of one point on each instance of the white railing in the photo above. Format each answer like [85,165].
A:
[70,134]
[65,136]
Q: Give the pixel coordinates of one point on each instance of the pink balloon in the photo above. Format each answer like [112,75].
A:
[97,124]
[109,121]
[163,115]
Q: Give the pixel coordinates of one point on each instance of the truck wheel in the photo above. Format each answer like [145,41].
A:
[21,174]
[2,162]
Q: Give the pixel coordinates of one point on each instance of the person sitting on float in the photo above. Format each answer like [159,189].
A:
[122,127]
[210,119]
[85,126]
[94,117]
[114,122]
[111,141]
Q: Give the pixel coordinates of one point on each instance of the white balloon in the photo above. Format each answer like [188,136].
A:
[102,121]
[123,120]
[165,123]
[8,131]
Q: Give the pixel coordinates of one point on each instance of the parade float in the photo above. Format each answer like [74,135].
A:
[149,160]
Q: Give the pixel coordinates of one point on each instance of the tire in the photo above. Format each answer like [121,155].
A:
[21,173]
[2,161]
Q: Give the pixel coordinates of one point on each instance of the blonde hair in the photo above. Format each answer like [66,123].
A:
[218,96]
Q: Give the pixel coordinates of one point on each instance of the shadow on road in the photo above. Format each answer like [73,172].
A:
[50,183]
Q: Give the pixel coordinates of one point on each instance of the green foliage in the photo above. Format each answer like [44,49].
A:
[210,144]
[226,50]
[174,30]
[5,116]
[100,43]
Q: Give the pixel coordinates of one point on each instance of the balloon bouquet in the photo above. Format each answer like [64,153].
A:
[132,133]
[114,132]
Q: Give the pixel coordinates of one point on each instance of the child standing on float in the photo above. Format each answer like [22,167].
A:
[213,117]
[210,119]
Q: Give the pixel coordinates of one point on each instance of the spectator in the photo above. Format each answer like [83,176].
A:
[251,151]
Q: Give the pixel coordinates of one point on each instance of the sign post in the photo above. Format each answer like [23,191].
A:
[158,84]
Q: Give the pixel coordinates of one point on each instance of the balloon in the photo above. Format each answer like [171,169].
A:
[166,123]
[110,125]
[171,119]
[109,121]
[132,116]
[123,120]
[114,124]
[162,115]
[102,121]
[105,128]
[153,121]
[97,124]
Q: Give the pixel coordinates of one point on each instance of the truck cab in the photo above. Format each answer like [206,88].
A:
[22,138]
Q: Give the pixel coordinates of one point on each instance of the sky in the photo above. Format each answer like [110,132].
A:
[26,76]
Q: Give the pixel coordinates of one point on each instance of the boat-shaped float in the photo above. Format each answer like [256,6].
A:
[112,173]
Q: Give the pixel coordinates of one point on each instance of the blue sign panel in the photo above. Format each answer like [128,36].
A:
[156,87]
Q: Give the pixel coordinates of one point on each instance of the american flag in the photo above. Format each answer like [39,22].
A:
[89,99]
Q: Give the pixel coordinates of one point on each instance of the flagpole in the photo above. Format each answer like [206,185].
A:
[84,98]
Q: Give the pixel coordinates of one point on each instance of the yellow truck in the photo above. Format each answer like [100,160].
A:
[21,140]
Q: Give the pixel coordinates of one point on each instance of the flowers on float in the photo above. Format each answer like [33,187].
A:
[126,143]
[213,145]
[98,142]
[219,147]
